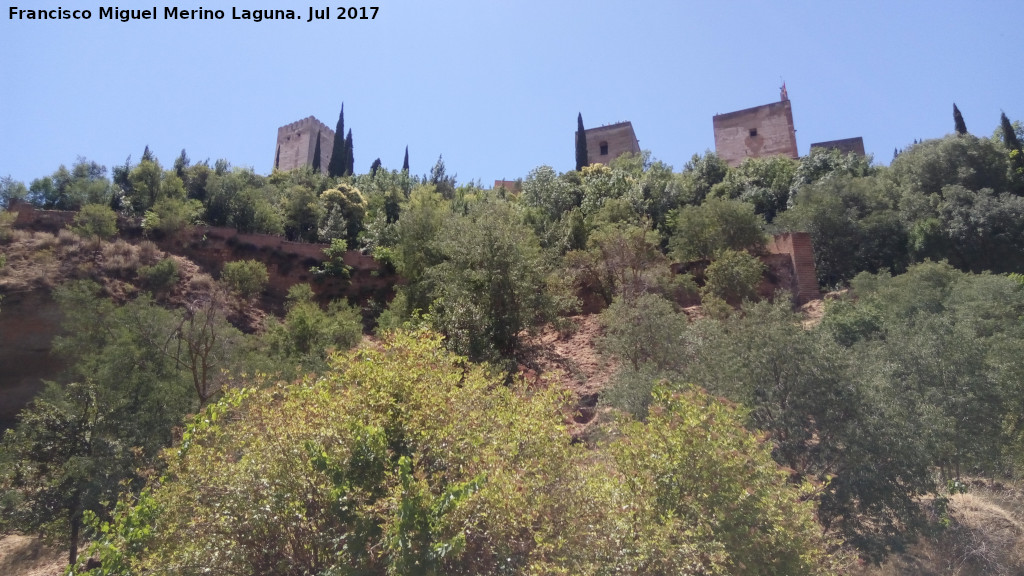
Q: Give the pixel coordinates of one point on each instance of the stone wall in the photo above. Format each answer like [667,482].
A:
[756,133]
[288,263]
[846,145]
[296,144]
[798,246]
[614,140]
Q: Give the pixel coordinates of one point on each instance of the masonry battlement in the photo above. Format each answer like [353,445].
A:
[307,122]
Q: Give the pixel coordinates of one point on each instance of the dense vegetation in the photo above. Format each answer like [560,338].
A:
[742,442]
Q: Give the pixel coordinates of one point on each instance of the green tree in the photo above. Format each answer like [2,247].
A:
[763,182]
[11,191]
[79,444]
[490,284]
[621,261]
[405,161]
[717,224]
[733,276]
[649,338]
[247,278]
[349,155]
[700,174]
[704,497]
[308,333]
[334,261]
[415,250]
[61,462]
[958,121]
[343,210]
[443,183]
[359,471]
[162,276]
[824,164]
[302,214]
[581,144]
[95,221]
[336,167]
[1013,146]
[971,162]
[855,224]
[171,215]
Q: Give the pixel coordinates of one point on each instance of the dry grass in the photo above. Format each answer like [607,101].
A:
[28,556]
[149,254]
[120,257]
[985,537]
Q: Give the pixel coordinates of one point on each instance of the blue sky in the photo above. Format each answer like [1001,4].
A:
[496,85]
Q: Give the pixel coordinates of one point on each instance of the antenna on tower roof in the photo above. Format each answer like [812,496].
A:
[783,95]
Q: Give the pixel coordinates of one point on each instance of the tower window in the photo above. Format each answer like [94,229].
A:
[604,148]
[753,132]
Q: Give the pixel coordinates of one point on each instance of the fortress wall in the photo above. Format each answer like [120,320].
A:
[798,246]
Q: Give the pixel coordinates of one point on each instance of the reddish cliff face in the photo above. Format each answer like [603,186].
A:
[287,263]
[28,323]
[30,319]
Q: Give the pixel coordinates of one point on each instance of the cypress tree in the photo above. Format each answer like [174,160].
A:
[316,153]
[1009,136]
[277,158]
[349,158]
[405,163]
[1012,145]
[336,167]
[581,143]
[374,167]
[958,121]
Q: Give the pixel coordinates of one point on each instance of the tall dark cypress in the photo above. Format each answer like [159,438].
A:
[581,143]
[277,158]
[350,161]
[1012,144]
[316,153]
[405,163]
[1009,136]
[958,120]
[336,167]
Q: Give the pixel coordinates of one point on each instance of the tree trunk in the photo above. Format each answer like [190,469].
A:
[76,525]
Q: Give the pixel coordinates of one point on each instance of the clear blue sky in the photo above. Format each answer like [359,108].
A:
[496,85]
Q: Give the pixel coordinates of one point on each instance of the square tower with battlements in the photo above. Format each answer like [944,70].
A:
[607,143]
[296,144]
[756,132]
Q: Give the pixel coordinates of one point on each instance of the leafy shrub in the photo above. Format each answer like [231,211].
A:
[170,215]
[161,276]
[95,221]
[715,225]
[246,277]
[334,263]
[406,459]
[6,225]
[733,276]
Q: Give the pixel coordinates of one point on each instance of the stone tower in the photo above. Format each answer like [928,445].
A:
[607,143]
[296,143]
[756,132]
